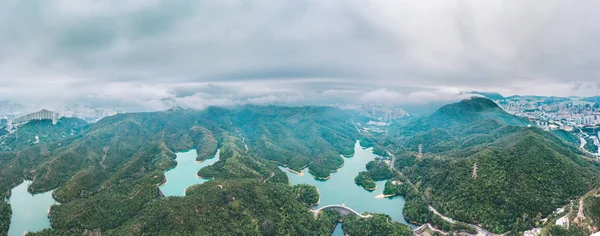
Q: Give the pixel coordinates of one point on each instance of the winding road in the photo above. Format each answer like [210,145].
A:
[480,230]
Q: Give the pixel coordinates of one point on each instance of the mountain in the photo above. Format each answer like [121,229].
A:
[454,116]
[44,130]
[482,165]
[595,99]
[106,175]
[299,137]
[479,165]
[567,136]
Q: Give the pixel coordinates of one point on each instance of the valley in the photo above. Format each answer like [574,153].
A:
[469,161]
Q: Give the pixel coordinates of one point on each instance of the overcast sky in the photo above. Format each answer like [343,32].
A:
[155,54]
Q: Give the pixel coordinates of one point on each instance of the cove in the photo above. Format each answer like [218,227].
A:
[29,212]
[185,174]
[341,189]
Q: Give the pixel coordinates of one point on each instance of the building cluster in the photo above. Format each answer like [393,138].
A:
[39,115]
[554,112]
[381,113]
[90,114]
[12,122]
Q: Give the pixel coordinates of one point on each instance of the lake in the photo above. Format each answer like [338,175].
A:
[341,189]
[338,231]
[29,212]
[185,174]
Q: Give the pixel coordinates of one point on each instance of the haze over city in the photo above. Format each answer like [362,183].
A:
[153,55]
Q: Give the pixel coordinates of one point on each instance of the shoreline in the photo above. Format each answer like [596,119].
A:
[208,158]
[205,178]
[321,178]
[295,172]
[330,172]
[163,182]
[318,202]
[300,173]
[339,168]
[279,163]
[380,196]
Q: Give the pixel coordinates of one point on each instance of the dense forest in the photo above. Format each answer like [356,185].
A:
[376,225]
[106,174]
[230,207]
[45,132]
[5,213]
[312,137]
[479,165]
[590,146]
[483,166]
[377,170]
[592,210]
[567,137]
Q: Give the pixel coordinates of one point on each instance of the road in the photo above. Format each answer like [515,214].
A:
[580,215]
[270,176]
[393,159]
[480,230]
[448,219]
[421,230]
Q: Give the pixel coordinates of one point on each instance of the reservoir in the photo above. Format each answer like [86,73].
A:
[185,174]
[29,212]
[338,231]
[341,189]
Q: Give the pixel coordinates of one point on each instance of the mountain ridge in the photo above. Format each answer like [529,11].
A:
[514,162]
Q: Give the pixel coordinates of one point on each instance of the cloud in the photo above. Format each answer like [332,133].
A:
[391,97]
[153,54]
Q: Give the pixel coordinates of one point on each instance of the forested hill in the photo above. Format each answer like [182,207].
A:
[107,174]
[465,112]
[481,165]
[45,131]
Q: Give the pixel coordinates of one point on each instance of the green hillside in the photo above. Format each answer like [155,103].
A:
[467,111]
[106,175]
[522,173]
[567,137]
[299,137]
[46,132]
[229,207]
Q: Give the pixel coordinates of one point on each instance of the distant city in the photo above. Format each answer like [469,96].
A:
[555,112]
[581,116]
[13,114]
[379,113]
[573,114]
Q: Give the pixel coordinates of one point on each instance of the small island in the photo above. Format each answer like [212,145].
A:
[377,170]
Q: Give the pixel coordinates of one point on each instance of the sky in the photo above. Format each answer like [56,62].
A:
[153,54]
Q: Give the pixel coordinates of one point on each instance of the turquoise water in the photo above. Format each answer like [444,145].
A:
[29,212]
[341,189]
[185,174]
[338,231]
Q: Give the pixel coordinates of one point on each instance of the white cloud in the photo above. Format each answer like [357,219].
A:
[391,97]
[155,53]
